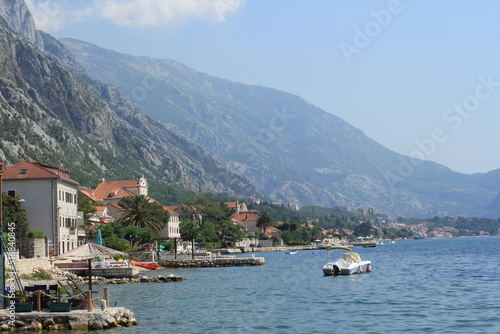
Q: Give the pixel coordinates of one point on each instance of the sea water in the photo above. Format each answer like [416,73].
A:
[417,286]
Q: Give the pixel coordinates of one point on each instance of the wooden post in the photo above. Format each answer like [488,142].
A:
[106,295]
[90,273]
[89,301]
[175,248]
[38,300]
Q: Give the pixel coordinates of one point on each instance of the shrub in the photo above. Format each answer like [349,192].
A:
[35,234]
[38,276]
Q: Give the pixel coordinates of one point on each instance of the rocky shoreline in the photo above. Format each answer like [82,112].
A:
[62,277]
[78,320]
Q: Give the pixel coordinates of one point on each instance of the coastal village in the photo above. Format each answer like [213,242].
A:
[49,198]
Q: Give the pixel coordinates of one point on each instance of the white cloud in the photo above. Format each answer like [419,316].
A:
[48,15]
[53,15]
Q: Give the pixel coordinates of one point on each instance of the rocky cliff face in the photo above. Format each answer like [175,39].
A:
[52,111]
[17,17]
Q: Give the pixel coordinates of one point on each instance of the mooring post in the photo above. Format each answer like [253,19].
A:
[89,301]
[106,295]
[38,300]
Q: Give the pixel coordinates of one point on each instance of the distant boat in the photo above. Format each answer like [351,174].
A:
[291,252]
[364,244]
[152,266]
[392,242]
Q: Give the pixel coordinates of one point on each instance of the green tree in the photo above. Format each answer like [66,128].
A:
[189,231]
[13,213]
[140,211]
[87,206]
[117,243]
[169,245]
[138,236]
[317,233]
[228,232]
[207,233]
[364,230]
[112,229]
[264,222]
[204,209]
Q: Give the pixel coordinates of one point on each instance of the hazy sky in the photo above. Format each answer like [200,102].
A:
[420,77]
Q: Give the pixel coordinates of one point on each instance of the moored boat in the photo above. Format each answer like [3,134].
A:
[152,266]
[350,263]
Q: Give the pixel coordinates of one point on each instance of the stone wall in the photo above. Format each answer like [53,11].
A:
[217,262]
[26,266]
[32,247]
[143,256]
[104,272]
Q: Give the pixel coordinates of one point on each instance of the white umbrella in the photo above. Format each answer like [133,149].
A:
[89,251]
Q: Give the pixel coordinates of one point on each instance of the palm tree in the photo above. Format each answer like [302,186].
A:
[140,211]
[264,221]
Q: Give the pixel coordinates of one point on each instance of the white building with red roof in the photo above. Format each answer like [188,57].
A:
[172,230]
[50,200]
[114,191]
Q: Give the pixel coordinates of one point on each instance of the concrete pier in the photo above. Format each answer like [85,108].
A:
[79,320]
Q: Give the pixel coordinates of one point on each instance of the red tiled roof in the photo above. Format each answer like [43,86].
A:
[271,230]
[118,189]
[87,192]
[171,209]
[30,169]
[246,217]
[238,222]
[232,205]
[114,205]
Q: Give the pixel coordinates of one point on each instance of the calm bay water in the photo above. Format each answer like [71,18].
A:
[418,286]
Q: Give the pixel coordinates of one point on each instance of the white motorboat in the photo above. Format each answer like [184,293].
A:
[291,252]
[350,263]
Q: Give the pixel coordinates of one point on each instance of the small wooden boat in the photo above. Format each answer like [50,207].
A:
[152,266]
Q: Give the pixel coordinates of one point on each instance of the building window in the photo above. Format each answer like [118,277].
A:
[11,193]
[23,171]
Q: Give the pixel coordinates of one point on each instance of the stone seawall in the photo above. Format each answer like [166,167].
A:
[214,262]
[277,248]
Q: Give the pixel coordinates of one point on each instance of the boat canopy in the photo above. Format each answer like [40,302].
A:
[346,248]
[352,257]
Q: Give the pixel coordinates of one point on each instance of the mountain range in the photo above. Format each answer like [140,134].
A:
[54,112]
[287,147]
[100,113]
